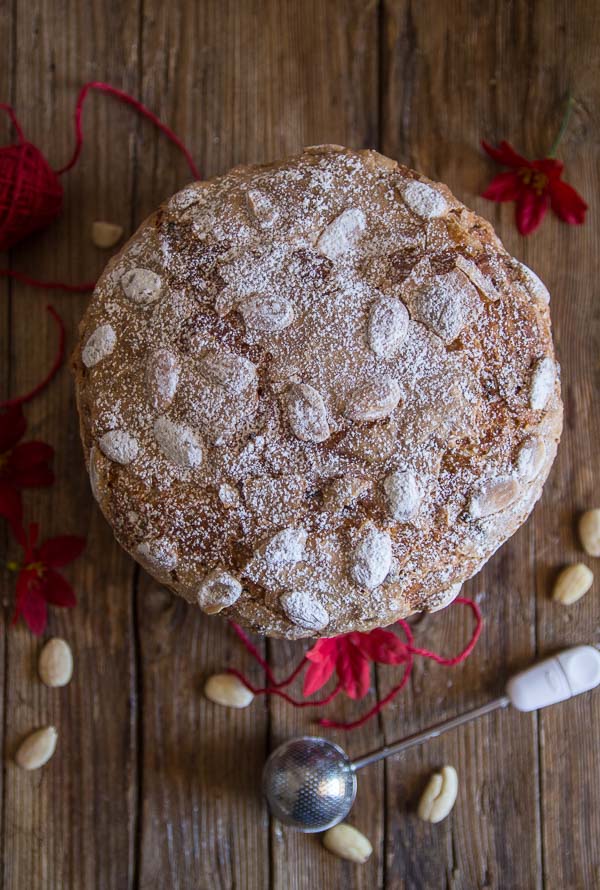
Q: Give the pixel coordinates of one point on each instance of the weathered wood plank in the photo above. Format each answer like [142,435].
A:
[72,824]
[335,53]
[566,57]
[453,75]
[253,82]
[6,91]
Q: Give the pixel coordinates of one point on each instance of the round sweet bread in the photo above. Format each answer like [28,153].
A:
[317,395]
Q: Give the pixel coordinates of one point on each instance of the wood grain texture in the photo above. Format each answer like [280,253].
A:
[153,786]
[6,91]
[72,825]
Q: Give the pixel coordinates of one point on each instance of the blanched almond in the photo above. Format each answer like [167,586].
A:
[55,664]
[37,748]
[589,532]
[227,690]
[373,400]
[347,843]
[572,583]
[306,413]
[105,234]
[439,796]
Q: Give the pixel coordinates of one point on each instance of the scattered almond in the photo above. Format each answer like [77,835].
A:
[347,843]
[227,690]
[439,796]
[572,583]
[37,748]
[55,665]
[589,532]
[105,234]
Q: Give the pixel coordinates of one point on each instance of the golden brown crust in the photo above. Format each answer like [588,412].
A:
[317,395]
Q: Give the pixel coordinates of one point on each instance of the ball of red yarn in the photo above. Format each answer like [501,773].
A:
[31,194]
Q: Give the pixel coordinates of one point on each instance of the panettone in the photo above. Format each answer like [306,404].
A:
[317,395]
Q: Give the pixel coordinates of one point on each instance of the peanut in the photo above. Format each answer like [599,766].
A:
[105,234]
[37,748]
[589,532]
[439,796]
[572,583]
[55,664]
[227,690]
[347,843]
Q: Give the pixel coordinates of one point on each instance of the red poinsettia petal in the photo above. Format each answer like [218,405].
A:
[550,167]
[323,657]
[20,535]
[506,186]
[383,646]
[531,209]
[505,154]
[12,427]
[29,454]
[59,551]
[325,648]
[317,674]
[567,203]
[30,604]
[34,477]
[353,670]
[11,506]
[57,590]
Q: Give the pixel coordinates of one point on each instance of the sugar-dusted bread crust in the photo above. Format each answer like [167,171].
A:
[317,395]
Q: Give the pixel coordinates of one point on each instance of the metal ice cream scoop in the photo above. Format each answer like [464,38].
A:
[310,783]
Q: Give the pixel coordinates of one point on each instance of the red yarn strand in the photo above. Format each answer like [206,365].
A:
[247,642]
[58,360]
[128,100]
[464,654]
[379,706]
[31,194]
[11,113]
[276,688]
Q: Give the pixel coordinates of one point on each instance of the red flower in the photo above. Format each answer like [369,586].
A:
[534,185]
[22,465]
[350,655]
[38,583]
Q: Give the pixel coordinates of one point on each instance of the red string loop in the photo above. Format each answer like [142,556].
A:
[276,688]
[58,360]
[31,194]
[127,100]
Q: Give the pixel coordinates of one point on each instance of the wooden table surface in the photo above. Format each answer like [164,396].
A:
[151,785]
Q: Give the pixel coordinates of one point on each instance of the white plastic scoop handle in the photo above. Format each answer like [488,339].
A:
[555,679]
[545,683]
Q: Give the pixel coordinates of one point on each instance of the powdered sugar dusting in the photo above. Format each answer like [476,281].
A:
[534,284]
[403,495]
[303,335]
[162,376]
[306,413]
[179,443]
[303,608]
[424,200]
[388,326]
[372,558]
[286,547]
[141,286]
[99,345]
[542,383]
[342,234]
[218,591]
[160,554]
[119,446]
[374,399]
[442,302]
